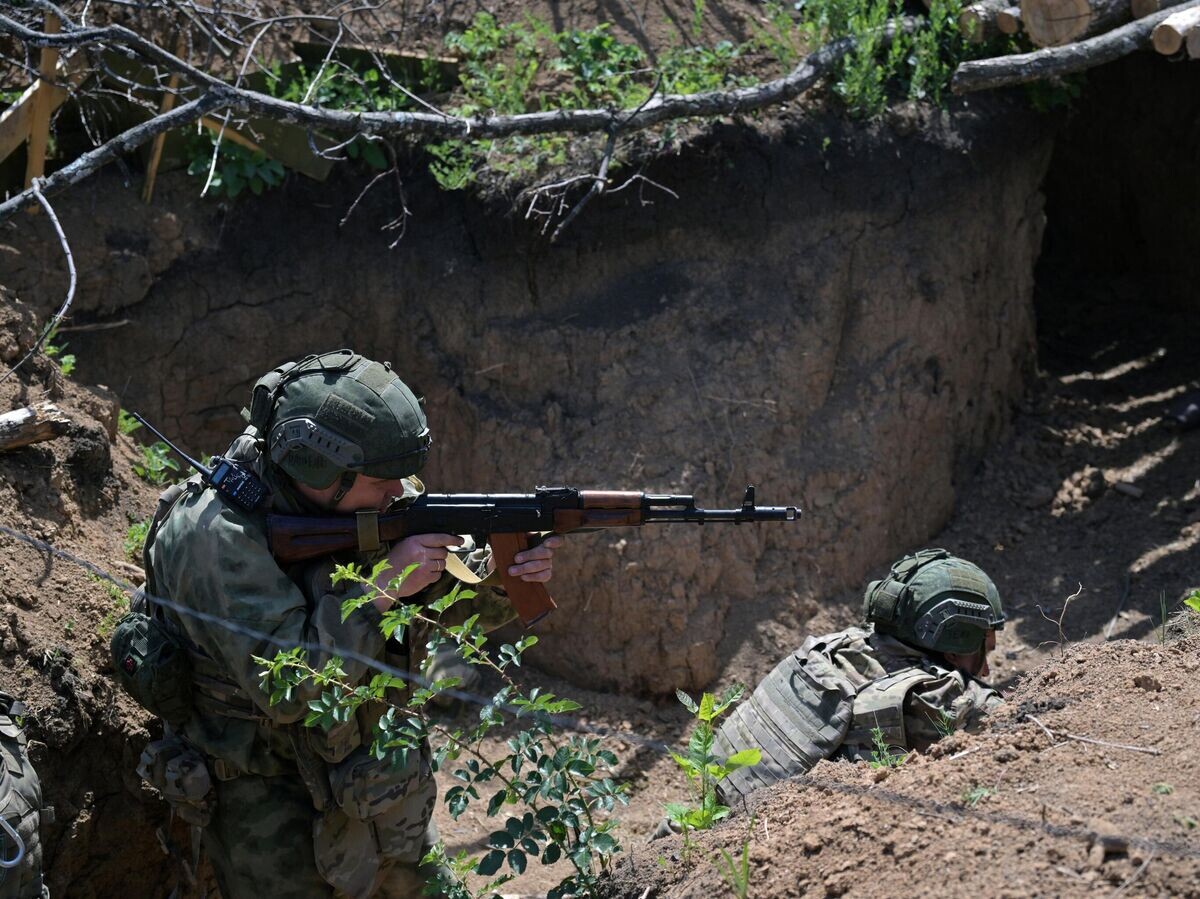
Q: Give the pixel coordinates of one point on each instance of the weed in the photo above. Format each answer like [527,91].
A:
[737,873]
[1187,822]
[157,464]
[126,423]
[119,605]
[238,168]
[1058,622]
[1163,789]
[1192,601]
[703,769]
[66,361]
[976,794]
[1050,94]
[946,723]
[884,755]
[135,540]
[1164,611]
[69,627]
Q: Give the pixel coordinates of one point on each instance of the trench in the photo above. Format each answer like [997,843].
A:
[855,327]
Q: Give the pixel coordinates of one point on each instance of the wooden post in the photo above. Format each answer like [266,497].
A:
[39,126]
[168,101]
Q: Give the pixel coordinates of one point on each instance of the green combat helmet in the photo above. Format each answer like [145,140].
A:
[338,414]
[936,601]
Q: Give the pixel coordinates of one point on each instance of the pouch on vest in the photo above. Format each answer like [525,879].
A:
[381,813]
[181,775]
[153,667]
[20,811]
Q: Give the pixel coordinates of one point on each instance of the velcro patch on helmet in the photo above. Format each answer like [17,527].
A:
[344,417]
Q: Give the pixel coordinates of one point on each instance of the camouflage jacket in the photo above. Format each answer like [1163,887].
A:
[835,694]
[213,558]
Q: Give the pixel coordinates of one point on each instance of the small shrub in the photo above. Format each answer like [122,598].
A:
[126,423]
[703,769]
[238,168]
[884,755]
[57,352]
[135,541]
[157,464]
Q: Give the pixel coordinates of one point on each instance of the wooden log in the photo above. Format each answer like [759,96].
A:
[1008,20]
[33,424]
[14,121]
[1193,44]
[977,22]
[985,74]
[1053,23]
[1143,8]
[39,118]
[1169,35]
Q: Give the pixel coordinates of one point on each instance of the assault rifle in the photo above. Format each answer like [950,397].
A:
[508,521]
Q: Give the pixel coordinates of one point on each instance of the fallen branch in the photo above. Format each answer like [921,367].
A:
[1078,739]
[33,424]
[985,74]
[218,94]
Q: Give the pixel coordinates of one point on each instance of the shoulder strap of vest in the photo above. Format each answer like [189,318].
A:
[166,502]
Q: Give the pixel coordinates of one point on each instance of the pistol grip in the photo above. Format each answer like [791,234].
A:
[531,602]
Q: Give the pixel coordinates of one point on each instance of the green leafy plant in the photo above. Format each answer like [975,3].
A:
[1187,822]
[1163,789]
[237,168]
[976,794]
[135,540]
[705,770]
[884,755]
[1192,601]
[126,423]
[560,791]
[119,605]
[69,627]
[157,463]
[736,872]
[57,352]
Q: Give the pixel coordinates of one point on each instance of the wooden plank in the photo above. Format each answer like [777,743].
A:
[39,120]
[403,65]
[168,102]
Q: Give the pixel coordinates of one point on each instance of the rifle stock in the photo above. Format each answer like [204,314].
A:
[506,520]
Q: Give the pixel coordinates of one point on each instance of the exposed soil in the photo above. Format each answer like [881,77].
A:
[1010,812]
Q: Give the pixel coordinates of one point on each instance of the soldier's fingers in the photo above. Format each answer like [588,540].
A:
[538,577]
[533,567]
[541,551]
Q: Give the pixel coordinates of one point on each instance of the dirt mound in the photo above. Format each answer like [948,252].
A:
[1012,811]
[54,620]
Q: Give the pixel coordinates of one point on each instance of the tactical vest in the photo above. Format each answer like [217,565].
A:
[801,713]
[20,810]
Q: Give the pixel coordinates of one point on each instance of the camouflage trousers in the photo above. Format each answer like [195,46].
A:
[260,842]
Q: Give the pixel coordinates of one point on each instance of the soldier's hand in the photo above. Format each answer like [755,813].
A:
[536,564]
[426,551]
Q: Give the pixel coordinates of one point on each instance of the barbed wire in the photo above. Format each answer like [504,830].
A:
[917,804]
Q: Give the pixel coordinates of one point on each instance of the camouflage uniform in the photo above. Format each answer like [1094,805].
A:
[826,698]
[298,812]
[20,811]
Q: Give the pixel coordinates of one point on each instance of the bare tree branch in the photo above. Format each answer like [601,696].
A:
[430,124]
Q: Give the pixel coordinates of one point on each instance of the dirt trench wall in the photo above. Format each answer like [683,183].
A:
[845,323]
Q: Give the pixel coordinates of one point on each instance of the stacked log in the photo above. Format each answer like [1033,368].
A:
[979,22]
[1143,8]
[1177,31]
[1054,23]
[1008,20]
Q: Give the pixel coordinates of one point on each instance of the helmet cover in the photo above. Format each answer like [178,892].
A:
[338,413]
[935,601]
